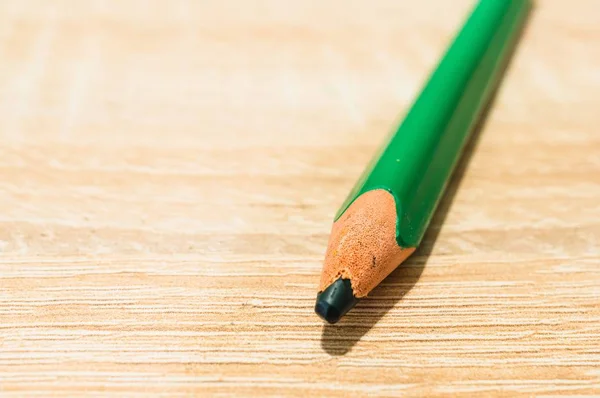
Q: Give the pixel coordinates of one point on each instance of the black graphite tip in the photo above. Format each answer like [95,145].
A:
[335,301]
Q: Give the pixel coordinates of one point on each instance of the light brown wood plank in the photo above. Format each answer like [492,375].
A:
[169,172]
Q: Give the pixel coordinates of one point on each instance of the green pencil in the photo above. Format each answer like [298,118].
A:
[386,214]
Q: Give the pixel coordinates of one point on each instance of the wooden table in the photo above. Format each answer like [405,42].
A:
[169,172]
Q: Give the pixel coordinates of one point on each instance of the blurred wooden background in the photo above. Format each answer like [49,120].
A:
[169,171]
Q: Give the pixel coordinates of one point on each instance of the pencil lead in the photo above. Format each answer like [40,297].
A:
[335,301]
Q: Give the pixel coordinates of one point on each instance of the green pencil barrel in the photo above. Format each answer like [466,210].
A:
[418,159]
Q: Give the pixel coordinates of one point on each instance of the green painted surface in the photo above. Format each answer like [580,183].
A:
[417,161]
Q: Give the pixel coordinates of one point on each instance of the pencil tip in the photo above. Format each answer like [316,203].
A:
[335,301]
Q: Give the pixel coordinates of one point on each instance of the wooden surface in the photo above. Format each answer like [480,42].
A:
[169,172]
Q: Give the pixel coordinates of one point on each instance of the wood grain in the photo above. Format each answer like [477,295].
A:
[169,172]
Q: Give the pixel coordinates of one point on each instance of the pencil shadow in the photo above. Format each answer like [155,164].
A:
[339,339]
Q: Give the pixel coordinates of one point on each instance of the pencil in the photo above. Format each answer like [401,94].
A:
[386,214]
